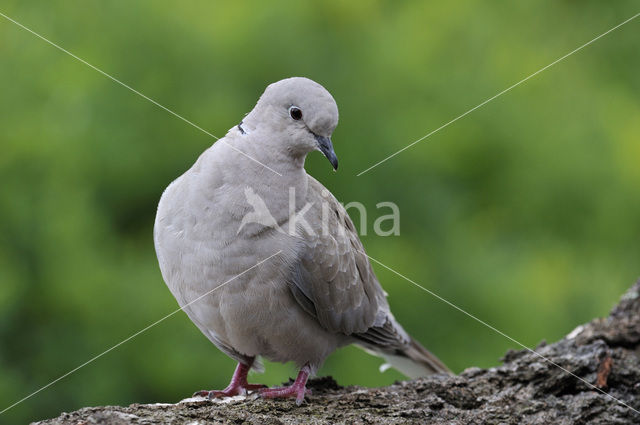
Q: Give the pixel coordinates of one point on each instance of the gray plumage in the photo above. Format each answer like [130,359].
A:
[320,292]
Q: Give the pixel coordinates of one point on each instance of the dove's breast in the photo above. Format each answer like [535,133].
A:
[195,241]
[232,284]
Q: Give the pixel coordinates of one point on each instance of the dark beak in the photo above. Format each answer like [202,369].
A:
[326,147]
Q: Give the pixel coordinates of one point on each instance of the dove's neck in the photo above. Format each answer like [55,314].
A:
[270,151]
[275,175]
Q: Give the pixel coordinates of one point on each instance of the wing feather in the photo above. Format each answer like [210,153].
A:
[333,280]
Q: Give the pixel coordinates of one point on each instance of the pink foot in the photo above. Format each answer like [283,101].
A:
[237,386]
[297,389]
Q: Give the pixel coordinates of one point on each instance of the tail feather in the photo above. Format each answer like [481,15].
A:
[391,342]
[424,358]
[412,360]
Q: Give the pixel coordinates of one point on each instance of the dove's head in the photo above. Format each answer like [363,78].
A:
[300,114]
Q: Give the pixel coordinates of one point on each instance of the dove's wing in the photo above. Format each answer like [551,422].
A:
[333,279]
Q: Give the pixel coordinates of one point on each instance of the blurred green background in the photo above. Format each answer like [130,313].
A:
[526,212]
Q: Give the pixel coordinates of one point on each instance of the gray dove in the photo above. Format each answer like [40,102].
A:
[292,282]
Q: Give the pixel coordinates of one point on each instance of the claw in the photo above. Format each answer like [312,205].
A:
[237,386]
[297,389]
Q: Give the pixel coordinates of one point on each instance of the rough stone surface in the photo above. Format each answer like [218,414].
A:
[526,389]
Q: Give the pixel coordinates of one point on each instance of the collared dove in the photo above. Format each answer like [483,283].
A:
[240,204]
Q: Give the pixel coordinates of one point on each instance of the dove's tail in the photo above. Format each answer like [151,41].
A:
[414,361]
[400,350]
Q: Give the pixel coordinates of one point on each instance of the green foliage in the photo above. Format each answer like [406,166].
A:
[525,212]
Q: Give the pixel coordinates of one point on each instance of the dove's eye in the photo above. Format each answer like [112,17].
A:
[295,113]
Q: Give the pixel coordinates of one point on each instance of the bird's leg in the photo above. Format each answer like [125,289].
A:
[238,384]
[297,389]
